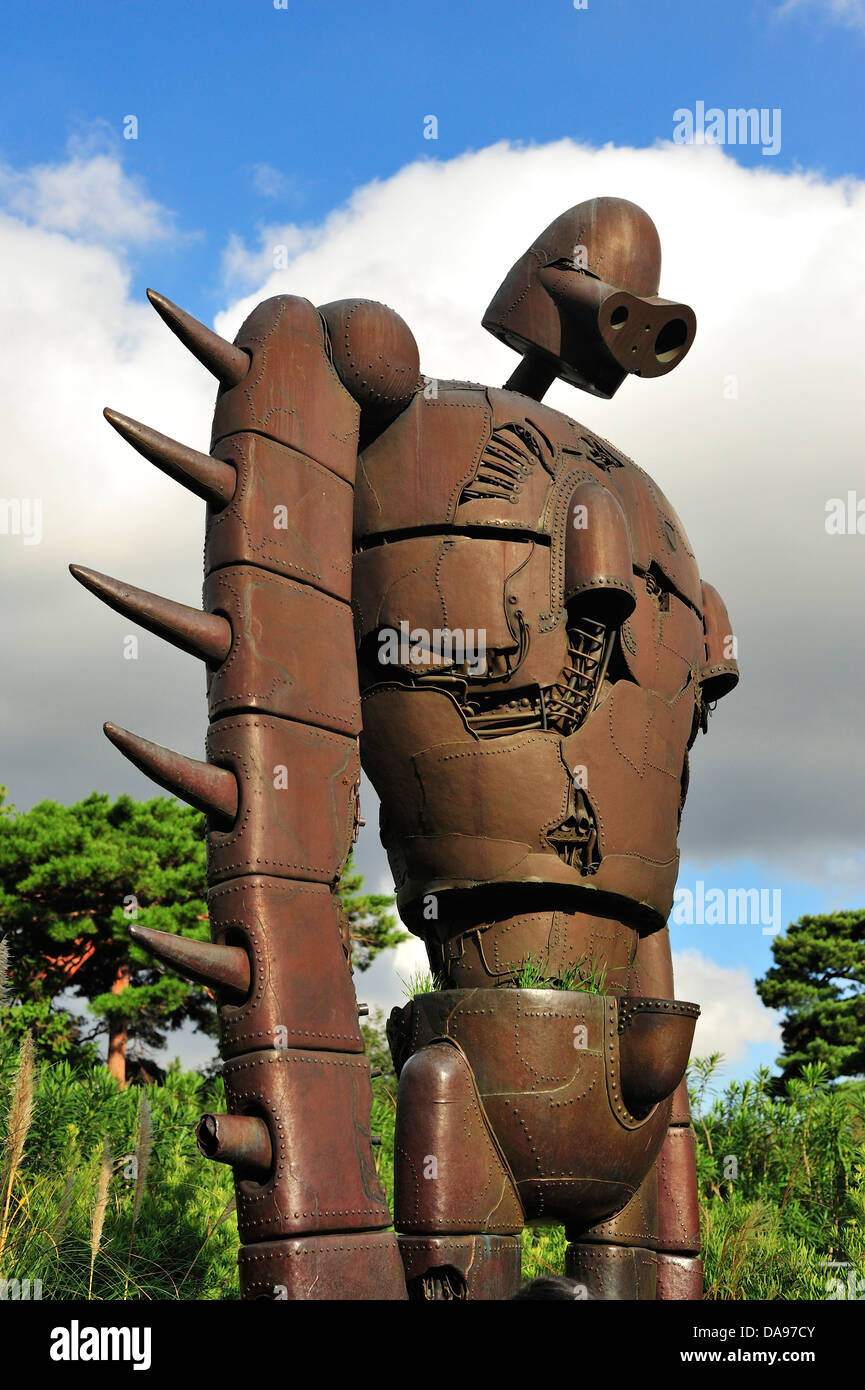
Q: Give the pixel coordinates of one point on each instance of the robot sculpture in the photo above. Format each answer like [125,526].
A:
[501,617]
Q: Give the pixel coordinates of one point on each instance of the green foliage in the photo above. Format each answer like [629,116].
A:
[781,1182]
[543,1252]
[584,976]
[184,1244]
[421,982]
[72,881]
[819,979]
[373,926]
[384,1089]
[377,1050]
[56,1031]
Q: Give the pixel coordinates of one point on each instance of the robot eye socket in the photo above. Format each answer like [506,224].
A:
[619,317]
[671,340]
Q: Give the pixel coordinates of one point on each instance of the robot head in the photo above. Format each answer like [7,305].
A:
[584,300]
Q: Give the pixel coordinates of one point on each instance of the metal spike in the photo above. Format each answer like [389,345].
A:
[229,364]
[226,967]
[210,788]
[243,1140]
[209,478]
[204,635]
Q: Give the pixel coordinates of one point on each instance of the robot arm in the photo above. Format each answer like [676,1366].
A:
[279,789]
[719,673]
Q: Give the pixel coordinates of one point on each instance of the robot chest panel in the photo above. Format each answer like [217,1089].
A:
[442,600]
[466,457]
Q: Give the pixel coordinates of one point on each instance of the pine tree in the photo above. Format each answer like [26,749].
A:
[73,879]
[819,979]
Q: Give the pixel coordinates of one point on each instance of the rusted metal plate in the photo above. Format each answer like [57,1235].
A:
[360,1267]
[719,672]
[449,1172]
[679,1277]
[654,1047]
[412,474]
[621,1273]
[298,799]
[441,833]
[678,1207]
[317,1106]
[288,513]
[681,1114]
[546,1065]
[291,392]
[635,1224]
[276,623]
[487,942]
[300,994]
[375,356]
[439,582]
[476,1267]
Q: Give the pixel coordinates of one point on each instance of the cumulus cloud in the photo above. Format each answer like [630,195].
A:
[88,197]
[384,985]
[733,1017]
[76,338]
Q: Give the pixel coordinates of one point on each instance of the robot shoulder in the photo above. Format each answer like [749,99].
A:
[375,355]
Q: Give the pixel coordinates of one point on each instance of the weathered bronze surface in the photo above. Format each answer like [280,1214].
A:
[502,615]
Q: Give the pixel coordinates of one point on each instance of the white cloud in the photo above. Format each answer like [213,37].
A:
[382,986]
[89,197]
[77,338]
[733,1017]
[271,182]
[277,245]
[850,13]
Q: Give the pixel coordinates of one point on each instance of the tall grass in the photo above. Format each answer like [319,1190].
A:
[584,976]
[110,1197]
[420,982]
[782,1183]
[97,1220]
[18,1128]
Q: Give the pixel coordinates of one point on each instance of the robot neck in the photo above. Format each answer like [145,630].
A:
[533,377]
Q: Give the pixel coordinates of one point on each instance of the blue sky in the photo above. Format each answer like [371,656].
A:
[333,95]
[253,119]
